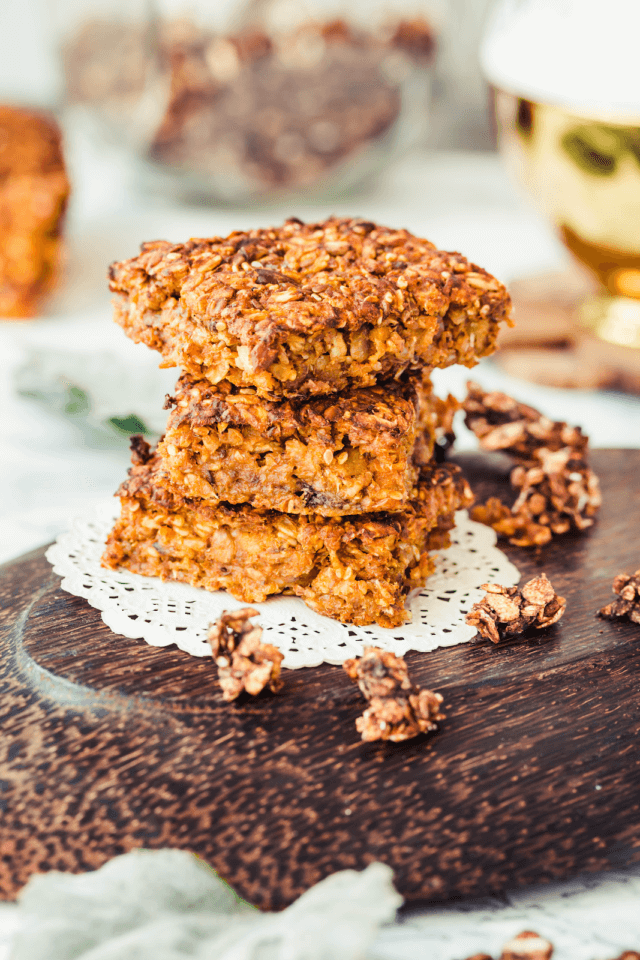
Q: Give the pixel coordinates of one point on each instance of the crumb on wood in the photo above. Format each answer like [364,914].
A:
[508,612]
[397,710]
[244,662]
[626,606]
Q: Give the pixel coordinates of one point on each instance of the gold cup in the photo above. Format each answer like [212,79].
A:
[583,172]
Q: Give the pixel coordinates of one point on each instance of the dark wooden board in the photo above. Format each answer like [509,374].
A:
[108,744]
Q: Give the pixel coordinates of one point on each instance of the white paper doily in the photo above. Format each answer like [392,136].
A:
[165,612]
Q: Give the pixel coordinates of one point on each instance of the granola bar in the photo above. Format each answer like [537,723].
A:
[33,196]
[354,569]
[337,456]
[308,309]
[397,710]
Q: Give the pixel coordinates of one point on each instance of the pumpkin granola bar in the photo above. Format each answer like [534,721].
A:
[354,569]
[308,309]
[33,197]
[356,453]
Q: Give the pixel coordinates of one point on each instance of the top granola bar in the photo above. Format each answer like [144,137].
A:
[308,309]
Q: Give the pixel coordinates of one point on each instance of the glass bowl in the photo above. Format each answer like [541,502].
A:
[245,102]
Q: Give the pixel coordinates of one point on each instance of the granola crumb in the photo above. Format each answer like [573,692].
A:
[244,663]
[140,450]
[507,612]
[627,604]
[397,710]
[557,490]
[527,946]
[445,411]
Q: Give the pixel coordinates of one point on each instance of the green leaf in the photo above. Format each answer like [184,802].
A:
[76,402]
[129,425]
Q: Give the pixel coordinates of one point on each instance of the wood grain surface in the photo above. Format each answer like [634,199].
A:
[109,744]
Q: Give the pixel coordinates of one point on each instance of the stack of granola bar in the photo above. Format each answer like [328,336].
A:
[298,455]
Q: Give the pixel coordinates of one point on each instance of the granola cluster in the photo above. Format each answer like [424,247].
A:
[397,710]
[507,612]
[557,490]
[501,423]
[627,604]
[244,663]
[527,946]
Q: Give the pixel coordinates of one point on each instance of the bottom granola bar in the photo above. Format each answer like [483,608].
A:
[353,569]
